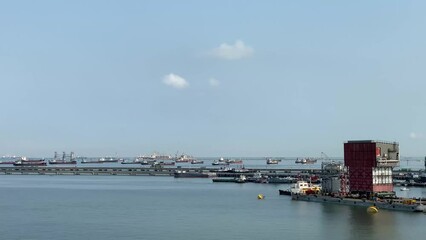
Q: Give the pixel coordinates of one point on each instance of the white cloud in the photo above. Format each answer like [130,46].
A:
[232,52]
[214,82]
[175,81]
[414,135]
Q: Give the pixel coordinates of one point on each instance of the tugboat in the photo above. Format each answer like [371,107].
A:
[301,188]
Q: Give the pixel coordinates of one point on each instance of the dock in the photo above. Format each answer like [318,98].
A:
[169,171]
[151,171]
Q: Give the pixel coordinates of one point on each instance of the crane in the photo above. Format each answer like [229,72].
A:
[324,156]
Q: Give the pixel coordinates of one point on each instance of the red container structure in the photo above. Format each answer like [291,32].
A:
[370,165]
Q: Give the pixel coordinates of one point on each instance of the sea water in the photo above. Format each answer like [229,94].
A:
[147,207]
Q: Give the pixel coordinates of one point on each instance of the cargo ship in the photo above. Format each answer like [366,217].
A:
[64,160]
[30,162]
[136,161]
[109,160]
[84,161]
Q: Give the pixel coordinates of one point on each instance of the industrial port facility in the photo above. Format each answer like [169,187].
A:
[365,180]
[366,177]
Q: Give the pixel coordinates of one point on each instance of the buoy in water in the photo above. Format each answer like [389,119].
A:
[260,196]
[372,209]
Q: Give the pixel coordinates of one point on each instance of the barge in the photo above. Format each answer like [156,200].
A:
[399,204]
[304,191]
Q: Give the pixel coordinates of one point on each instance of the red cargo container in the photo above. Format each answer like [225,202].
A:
[360,159]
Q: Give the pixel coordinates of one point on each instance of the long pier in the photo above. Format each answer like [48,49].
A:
[169,171]
[150,171]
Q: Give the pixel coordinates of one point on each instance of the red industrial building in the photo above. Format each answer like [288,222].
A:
[370,165]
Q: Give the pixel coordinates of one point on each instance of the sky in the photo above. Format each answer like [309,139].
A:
[211,78]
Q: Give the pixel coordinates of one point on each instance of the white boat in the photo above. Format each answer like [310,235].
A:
[404,189]
[241,179]
[303,187]
[272,161]
[306,161]
[221,161]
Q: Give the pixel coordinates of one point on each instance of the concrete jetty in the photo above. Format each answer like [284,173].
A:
[152,171]
[169,171]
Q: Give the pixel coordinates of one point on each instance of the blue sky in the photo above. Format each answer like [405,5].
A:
[211,78]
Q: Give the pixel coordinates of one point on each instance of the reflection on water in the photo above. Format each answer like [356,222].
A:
[371,226]
[124,207]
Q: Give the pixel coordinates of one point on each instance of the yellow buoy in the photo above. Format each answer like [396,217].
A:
[260,196]
[372,209]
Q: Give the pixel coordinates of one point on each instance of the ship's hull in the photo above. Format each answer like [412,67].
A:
[63,162]
[31,164]
[7,162]
[359,202]
[193,175]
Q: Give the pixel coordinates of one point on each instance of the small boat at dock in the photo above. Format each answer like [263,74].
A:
[302,188]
